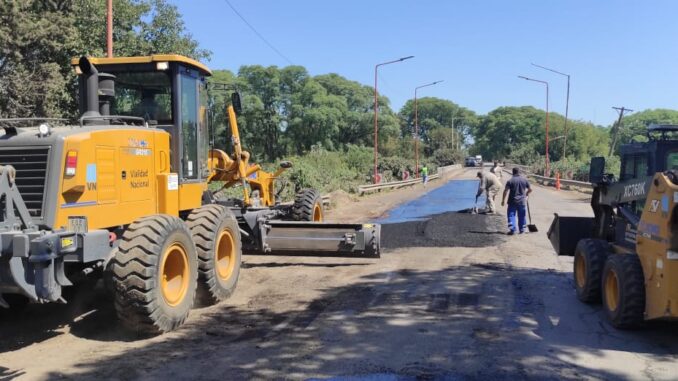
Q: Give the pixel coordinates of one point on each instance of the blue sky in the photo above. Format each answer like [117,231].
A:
[619,53]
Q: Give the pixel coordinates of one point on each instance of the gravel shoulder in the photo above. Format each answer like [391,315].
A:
[506,310]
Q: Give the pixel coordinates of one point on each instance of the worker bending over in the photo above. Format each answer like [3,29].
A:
[491,185]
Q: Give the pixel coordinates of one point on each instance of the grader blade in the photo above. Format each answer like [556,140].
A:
[321,239]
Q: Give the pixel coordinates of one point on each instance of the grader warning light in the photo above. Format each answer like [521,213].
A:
[71,163]
[135,205]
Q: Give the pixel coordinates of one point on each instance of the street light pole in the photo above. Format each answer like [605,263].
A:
[567,104]
[416,127]
[376,111]
[546,172]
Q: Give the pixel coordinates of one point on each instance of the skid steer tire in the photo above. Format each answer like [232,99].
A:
[154,275]
[624,291]
[308,206]
[589,260]
[217,241]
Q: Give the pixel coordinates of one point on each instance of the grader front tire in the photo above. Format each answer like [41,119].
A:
[217,238]
[308,206]
[154,275]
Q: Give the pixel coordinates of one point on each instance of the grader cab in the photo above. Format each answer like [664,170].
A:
[125,193]
[627,255]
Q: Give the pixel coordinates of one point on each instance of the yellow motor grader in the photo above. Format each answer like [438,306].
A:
[123,194]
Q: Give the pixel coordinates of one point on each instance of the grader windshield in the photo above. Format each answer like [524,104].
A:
[147,95]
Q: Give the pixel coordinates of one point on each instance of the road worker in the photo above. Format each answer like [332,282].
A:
[424,174]
[518,189]
[491,185]
[496,170]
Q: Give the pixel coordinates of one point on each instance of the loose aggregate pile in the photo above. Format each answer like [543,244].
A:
[452,229]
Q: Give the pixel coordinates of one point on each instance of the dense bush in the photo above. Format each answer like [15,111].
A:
[577,169]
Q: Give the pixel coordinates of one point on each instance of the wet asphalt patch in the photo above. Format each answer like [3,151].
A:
[443,218]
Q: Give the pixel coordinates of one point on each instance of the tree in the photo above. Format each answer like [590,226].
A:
[634,126]
[518,134]
[39,38]
[433,114]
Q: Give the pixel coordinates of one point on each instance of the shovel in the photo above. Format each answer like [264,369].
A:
[475,207]
[531,227]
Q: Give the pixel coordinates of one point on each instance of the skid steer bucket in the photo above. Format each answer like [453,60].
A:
[565,233]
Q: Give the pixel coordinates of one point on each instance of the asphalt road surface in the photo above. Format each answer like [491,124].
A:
[451,298]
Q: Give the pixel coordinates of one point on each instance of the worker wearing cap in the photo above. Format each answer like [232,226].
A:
[491,185]
[518,189]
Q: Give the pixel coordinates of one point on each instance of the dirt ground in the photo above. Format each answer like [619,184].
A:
[505,309]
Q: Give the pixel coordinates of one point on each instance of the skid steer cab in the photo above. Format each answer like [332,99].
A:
[627,254]
[132,192]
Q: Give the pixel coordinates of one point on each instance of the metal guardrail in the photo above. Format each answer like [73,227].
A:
[566,183]
[367,188]
[550,180]
[362,189]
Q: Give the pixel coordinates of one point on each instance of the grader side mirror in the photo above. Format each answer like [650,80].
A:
[597,170]
[235,101]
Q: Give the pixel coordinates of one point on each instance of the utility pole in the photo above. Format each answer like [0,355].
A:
[109,29]
[616,127]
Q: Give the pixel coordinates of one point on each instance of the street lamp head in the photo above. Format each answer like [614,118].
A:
[406,58]
[523,77]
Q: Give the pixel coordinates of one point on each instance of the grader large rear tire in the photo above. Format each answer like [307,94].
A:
[624,290]
[154,274]
[589,260]
[217,240]
[308,206]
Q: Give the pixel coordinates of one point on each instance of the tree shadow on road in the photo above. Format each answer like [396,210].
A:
[460,322]
[6,374]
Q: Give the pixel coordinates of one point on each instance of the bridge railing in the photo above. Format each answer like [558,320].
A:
[549,181]
[368,188]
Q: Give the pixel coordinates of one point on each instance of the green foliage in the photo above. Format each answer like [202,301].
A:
[579,169]
[39,38]
[634,126]
[287,112]
[518,134]
[435,114]
[323,123]
[323,170]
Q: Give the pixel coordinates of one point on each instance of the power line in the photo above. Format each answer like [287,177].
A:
[257,33]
